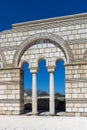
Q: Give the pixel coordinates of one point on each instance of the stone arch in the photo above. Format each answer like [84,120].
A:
[59,59]
[22,63]
[30,41]
[42,58]
[3,59]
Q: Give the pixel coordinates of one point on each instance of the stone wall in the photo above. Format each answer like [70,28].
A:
[11,91]
[47,51]
[71,29]
[76,89]
[52,39]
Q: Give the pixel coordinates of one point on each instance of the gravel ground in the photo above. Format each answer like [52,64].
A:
[42,123]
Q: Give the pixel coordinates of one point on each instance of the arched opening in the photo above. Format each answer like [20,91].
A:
[47,46]
[27,88]
[28,42]
[43,87]
[59,82]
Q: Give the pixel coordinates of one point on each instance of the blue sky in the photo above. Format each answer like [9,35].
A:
[15,11]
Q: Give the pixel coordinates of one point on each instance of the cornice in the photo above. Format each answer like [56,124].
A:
[48,23]
[55,20]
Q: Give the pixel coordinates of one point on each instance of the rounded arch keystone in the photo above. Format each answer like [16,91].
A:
[31,41]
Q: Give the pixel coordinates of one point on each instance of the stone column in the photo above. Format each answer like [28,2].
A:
[34,92]
[52,94]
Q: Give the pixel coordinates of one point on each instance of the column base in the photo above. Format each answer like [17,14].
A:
[35,114]
[52,114]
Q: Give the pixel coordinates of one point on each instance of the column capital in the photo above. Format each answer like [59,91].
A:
[33,69]
[51,68]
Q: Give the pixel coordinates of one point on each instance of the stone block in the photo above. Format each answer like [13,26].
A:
[63,28]
[3,96]
[10,39]
[83,35]
[57,29]
[81,109]
[11,96]
[69,105]
[70,114]
[26,33]
[77,36]
[68,110]
[8,104]
[42,50]
[66,33]
[77,114]
[74,95]
[68,96]
[81,95]
[2,104]
[2,87]
[8,35]
[32,32]
[50,30]
[48,50]
[8,92]
[20,34]
[40,31]
[85,109]
[77,26]
[14,34]
[77,105]
[75,109]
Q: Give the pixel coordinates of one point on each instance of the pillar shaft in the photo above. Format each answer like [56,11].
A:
[52,96]
[34,94]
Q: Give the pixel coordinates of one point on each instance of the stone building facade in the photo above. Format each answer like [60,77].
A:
[62,38]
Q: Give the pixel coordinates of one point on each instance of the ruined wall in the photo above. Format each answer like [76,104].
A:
[52,39]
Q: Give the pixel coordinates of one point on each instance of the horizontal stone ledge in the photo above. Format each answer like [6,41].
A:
[11,101]
[10,68]
[9,82]
[76,63]
[76,100]
[76,80]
